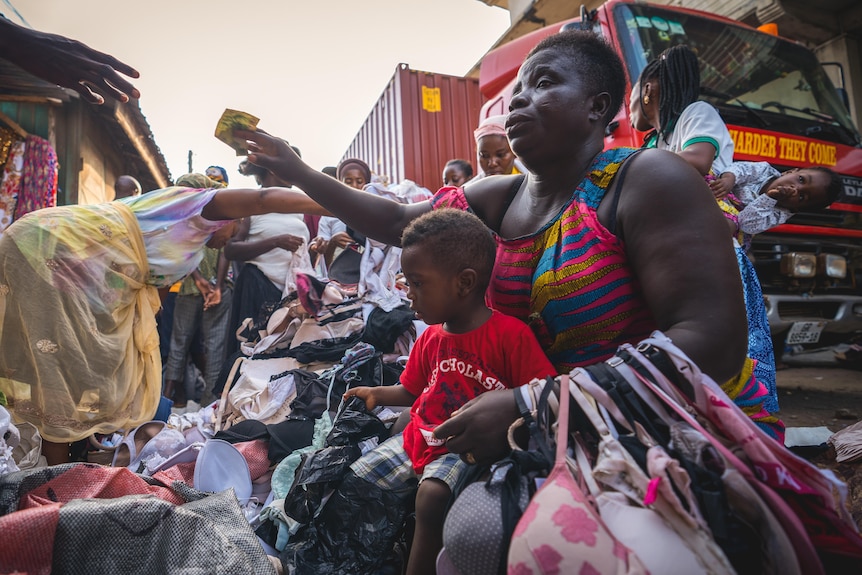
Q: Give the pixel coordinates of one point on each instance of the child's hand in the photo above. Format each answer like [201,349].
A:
[722,185]
[366,394]
[781,194]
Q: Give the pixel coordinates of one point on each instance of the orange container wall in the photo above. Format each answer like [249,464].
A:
[421,121]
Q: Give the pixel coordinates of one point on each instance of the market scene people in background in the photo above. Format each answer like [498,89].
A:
[126,187]
[332,233]
[265,245]
[493,152]
[201,311]
[217,174]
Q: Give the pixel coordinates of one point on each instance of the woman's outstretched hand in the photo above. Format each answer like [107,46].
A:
[480,428]
[272,153]
[68,63]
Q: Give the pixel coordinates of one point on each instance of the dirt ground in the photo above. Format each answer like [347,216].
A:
[830,397]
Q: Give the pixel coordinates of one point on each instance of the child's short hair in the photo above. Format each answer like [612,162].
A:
[456,240]
[462,165]
[834,188]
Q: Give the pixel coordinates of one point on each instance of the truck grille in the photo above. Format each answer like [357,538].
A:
[792,310]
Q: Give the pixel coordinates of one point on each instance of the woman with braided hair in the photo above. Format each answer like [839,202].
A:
[665,101]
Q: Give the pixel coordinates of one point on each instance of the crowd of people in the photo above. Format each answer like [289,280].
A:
[557,253]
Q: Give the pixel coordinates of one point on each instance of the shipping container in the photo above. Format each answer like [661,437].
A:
[421,121]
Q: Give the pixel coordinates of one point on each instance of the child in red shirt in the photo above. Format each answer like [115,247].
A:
[467,349]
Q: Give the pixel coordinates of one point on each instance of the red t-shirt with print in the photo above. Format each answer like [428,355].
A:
[446,370]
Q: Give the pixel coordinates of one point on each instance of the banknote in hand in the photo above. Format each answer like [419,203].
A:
[235,120]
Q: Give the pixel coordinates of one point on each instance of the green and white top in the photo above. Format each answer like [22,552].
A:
[699,122]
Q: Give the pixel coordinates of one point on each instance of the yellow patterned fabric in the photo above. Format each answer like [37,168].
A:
[79,350]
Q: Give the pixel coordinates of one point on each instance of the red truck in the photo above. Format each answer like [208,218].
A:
[781,107]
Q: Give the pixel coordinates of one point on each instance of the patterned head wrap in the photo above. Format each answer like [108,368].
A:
[198,181]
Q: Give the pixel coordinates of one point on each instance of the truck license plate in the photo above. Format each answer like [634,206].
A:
[805,332]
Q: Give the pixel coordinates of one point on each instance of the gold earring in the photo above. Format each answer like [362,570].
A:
[646,100]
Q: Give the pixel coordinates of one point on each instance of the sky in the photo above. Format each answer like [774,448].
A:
[310,70]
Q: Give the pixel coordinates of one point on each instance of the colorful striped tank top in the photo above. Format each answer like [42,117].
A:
[570,281]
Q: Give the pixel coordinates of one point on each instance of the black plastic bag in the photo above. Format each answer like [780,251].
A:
[322,471]
[354,532]
[355,424]
[318,473]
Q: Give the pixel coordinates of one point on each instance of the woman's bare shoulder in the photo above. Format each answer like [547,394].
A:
[489,197]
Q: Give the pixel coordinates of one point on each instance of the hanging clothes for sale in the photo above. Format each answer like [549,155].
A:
[8,136]
[38,177]
[12,148]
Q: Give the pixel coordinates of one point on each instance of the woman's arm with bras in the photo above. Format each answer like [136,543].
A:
[677,245]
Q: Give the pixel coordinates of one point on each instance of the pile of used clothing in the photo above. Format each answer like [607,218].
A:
[219,489]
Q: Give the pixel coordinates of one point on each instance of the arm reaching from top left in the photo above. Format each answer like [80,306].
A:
[376,217]
[68,63]
[235,203]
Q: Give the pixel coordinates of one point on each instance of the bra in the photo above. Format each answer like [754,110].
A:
[560,532]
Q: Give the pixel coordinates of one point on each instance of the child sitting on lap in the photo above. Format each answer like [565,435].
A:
[770,197]
[467,349]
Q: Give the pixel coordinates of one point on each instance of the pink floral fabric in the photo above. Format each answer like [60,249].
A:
[560,533]
[38,177]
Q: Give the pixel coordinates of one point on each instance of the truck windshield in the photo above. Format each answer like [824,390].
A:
[752,78]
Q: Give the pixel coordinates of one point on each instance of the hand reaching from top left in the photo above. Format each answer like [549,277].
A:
[68,63]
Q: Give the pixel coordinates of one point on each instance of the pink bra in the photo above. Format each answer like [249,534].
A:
[560,532]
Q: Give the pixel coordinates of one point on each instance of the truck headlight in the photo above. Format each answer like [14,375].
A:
[799,265]
[831,266]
